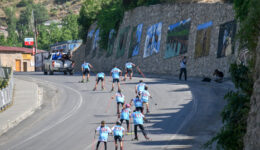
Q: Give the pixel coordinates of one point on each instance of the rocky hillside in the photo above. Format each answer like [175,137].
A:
[60,8]
[57,8]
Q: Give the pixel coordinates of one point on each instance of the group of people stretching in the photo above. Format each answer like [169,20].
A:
[137,116]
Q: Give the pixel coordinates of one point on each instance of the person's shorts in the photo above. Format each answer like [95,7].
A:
[116,80]
[102,79]
[139,109]
[129,70]
[85,71]
[118,138]
[120,103]
[145,101]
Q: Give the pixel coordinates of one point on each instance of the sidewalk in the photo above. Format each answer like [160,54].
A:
[27,98]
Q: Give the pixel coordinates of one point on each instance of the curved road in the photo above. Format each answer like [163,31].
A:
[184,115]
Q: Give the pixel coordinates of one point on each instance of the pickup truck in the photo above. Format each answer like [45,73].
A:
[52,64]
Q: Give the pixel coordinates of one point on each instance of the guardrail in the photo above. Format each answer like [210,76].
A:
[6,87]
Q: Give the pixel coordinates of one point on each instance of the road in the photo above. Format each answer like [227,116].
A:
[184,115]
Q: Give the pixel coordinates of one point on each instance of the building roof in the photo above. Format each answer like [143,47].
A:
[18,49]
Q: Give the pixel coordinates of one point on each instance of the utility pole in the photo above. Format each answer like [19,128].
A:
[35,38]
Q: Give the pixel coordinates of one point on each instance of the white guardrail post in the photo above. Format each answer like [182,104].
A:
[6,94]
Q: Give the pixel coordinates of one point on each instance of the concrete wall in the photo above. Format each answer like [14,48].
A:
[8,60]
[167,14]
[253,124]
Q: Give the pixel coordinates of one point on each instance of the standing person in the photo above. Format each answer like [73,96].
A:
[125,115]
[138,118]
[120,99]
[100,76]
[118,132]
[103,134]
[138,103]
[140,87]
[129,70]
[183,63]
[115,75]
[85,68]
[145,98]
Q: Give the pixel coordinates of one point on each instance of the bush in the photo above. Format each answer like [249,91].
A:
[234,115]
[24,3]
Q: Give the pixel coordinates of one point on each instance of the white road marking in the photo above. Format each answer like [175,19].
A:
[64,118]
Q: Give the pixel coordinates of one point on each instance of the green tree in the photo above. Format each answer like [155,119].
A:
[2,40]
[66,35]
[11,20]
[88,14]
[43,37]
[70,23]
[55,33]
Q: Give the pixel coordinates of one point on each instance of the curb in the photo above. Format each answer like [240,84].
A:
[12,123]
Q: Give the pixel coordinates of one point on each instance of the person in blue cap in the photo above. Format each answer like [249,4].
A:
[104,131]
[100,77]
[118,132]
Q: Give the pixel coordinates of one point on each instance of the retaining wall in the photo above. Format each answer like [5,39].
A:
[167,14]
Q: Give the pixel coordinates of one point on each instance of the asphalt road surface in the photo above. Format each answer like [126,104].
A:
[184,115]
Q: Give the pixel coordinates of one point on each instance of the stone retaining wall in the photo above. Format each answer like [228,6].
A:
[168,14]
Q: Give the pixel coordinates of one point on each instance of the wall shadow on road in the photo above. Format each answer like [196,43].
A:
[169,124]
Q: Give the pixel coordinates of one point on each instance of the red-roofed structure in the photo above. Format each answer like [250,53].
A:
[19,58]
[19,50]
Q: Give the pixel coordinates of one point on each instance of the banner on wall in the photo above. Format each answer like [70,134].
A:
[111,41]
[227,34]
[91,33]
[122,41]
[153,39]
[202,45]
[96,39]
[135,40]
[177,38]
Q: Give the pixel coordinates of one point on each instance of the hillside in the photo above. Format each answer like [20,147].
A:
[56,10]
[59,8]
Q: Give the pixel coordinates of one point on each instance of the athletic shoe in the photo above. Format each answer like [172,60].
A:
[94,89]
[147,138]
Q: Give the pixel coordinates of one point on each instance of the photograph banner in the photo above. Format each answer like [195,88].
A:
[153,39]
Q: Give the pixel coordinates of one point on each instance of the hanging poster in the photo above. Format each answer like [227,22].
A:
[153,39]
[202,45]
[177,38]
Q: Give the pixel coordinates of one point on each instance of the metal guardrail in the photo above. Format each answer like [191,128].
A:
[6,94]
